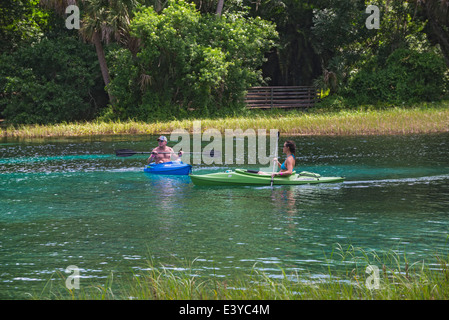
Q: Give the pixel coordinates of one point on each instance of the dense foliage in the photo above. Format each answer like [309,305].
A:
[21,21]
[157,60]
[406,77]
[396,64]
[51,81]
[187,61]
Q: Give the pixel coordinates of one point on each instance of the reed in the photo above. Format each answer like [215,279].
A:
[418,119]
[399,279]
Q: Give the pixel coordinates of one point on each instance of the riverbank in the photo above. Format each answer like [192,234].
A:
[421,119]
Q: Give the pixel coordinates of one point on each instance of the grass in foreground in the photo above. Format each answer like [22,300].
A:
[420,119]
[398,279]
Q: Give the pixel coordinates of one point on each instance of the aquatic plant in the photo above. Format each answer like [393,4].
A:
[421,119]
[347,279]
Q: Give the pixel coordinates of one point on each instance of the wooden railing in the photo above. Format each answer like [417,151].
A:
[281,97]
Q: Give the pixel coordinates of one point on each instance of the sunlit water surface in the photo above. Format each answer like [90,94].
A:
[73,202]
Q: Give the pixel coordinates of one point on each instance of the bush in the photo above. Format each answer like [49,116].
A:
[188,61]
[407,77]
[51,81]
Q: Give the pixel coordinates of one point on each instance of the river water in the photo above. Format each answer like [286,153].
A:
[71,201]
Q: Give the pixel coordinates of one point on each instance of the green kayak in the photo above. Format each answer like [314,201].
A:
[242,177]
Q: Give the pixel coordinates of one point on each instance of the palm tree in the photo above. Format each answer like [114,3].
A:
[102,21]
[58,5]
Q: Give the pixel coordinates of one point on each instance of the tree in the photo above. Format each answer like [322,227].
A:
[395,63]
[346,46]
[338,31]
[437,13]
[52,81]
[294,61]
[20,21]
[188,60]
[102,21]
[219,7]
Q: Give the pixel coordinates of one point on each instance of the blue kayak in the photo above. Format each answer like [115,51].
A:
[170,168]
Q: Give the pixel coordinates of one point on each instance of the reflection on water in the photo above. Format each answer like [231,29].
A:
[72,202]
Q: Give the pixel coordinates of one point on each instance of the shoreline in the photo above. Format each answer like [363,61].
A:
[342,123]
[397,278]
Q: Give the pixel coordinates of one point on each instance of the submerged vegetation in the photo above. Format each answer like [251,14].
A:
[349,278]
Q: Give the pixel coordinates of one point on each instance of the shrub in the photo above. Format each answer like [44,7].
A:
[189,61]
[52,81]
[407,77]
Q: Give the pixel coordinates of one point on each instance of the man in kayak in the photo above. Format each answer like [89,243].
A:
[162,153]
[289,164]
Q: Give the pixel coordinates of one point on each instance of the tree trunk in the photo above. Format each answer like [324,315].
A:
[437,14]
[158,6]
[219,7]
[102,60]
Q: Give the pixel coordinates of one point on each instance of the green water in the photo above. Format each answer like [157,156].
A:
[72,202]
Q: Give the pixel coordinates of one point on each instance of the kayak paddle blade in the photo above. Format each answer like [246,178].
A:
[125,153]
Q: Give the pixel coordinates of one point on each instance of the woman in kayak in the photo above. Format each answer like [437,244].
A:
[162,153]
[289,164]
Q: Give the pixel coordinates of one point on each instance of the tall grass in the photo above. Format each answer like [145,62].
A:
[399,279]
[420,119]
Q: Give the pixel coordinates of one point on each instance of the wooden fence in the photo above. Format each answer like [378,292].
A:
[282,97]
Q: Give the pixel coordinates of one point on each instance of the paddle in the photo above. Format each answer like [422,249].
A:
[276,155]
[129,153]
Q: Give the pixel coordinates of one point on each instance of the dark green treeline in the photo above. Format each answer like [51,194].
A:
[159,60]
